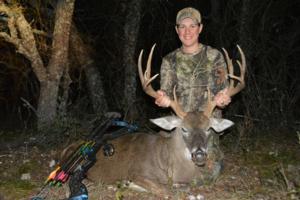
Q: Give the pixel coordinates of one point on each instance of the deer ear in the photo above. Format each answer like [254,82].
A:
[220,125]
[168,122]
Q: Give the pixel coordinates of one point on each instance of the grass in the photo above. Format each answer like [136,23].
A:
[16,189]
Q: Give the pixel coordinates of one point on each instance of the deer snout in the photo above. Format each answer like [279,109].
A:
[199,157]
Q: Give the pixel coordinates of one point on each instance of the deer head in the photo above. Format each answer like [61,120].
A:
[194,126]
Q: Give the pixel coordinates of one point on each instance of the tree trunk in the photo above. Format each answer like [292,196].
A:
[58,63]
[94,82]
[47,102]
[64,97]
[131,30]
[21,36]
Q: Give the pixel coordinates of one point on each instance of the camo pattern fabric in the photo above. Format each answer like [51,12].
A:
[192,75]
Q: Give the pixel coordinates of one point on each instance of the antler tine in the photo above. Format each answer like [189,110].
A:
[140,66]
[229,66]
[176,106]
[241,79]
[210,105]
[149,61]
[243,64]
[145,78]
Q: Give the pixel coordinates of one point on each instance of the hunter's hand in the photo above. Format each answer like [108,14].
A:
[162,100]
[222,99]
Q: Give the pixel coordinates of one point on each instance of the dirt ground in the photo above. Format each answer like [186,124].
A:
[260,168]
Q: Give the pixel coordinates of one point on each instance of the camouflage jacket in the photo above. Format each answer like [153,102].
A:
[192,74]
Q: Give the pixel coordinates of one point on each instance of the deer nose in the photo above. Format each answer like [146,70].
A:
[199,157]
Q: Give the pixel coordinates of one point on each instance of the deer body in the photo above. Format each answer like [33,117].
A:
[155,162]
[146,156]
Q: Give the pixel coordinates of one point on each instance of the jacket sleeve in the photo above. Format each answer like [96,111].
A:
[167,77]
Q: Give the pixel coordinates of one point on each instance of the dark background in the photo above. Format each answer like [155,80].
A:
[269,35]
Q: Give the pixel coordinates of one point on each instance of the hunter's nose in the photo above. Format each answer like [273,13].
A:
[199,157]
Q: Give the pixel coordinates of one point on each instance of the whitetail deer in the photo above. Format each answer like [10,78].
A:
[153,161]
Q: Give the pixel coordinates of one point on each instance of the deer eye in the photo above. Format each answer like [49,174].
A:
[184,130]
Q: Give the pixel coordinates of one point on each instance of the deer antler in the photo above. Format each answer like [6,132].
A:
[146,79]
[232,89]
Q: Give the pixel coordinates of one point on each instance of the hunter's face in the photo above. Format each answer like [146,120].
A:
[188,32]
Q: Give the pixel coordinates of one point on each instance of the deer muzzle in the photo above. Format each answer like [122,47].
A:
[199,157]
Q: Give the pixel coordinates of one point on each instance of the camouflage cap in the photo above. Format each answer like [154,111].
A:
[189,12]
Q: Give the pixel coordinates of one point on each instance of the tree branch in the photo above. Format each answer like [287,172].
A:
[21,36]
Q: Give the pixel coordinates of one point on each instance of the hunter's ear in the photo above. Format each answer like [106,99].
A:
[220,125]
[168,123]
